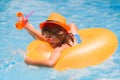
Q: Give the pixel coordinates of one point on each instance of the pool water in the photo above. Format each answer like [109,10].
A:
[85,13]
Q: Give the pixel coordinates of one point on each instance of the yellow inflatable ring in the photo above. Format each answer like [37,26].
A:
[97,45]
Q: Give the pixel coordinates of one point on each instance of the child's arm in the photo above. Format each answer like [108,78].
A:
[34,32]
[51,61]
[73,30]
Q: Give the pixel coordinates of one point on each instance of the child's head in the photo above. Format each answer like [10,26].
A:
[56,19]
[56,35]
[56,31]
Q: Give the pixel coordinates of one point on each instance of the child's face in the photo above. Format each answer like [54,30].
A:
[53,40]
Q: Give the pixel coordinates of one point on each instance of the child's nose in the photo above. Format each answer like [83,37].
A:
[49,39]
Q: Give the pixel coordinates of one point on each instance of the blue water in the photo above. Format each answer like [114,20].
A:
[85,13]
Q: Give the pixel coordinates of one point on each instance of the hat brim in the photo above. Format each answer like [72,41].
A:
[55,22]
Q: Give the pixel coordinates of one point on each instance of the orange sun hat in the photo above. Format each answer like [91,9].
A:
[56,19]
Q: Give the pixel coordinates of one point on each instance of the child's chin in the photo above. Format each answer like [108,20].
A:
[53,46]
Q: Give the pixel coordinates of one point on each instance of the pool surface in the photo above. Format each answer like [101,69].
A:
[85,13]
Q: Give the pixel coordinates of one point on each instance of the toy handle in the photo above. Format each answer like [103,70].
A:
[20,24]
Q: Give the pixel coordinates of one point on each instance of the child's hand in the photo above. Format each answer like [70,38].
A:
[28,60]
[21,23]
[25,20]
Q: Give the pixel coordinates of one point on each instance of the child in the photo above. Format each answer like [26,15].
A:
[56,32]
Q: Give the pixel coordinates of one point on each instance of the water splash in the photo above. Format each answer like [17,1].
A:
[18,56]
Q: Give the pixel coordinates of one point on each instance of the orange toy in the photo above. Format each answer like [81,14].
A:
[22,20]
[20,24]
[97,45]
